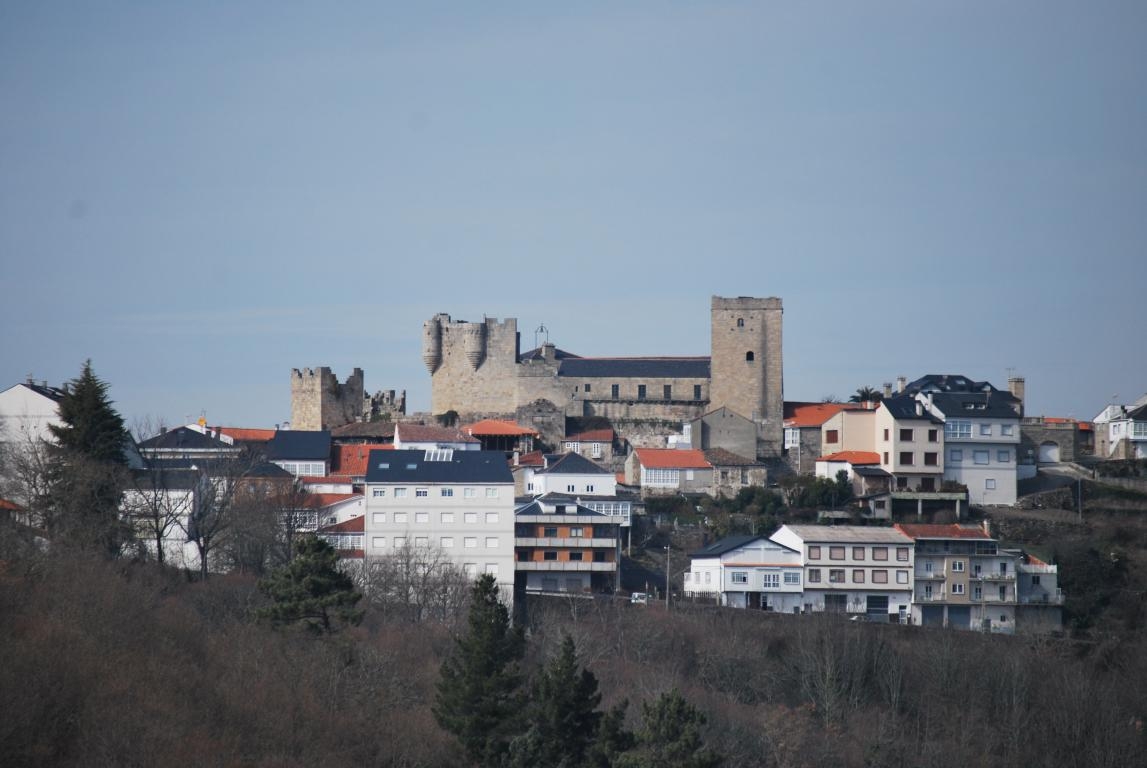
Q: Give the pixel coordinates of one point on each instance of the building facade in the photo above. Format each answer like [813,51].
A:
[747,572]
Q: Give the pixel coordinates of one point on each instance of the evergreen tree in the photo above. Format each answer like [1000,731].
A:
[87,470]
[311,589]
[478,694]
[562,717]
[671,737]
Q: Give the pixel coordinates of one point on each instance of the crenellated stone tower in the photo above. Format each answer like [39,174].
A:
[745,367]
[319,401]
[472,365]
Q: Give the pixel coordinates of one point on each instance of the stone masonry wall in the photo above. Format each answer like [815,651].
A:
[319,401]
[467,384]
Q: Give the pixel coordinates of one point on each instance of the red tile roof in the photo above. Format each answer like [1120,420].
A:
[532,459]
[327,480]
[352,459]
[354,525]
[422,433]
[248,435]
[497,427]
[814,414]
[950,531]
[853,457]
[671,458]
[320,500]
[10,505]
[592,436]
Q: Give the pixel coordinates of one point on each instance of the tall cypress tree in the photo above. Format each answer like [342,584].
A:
[479,691]
[87,470]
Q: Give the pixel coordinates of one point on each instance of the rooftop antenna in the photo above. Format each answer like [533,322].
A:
[541,329]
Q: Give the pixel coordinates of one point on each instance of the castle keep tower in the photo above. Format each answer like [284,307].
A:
[473,365]
[319,401]
[746,369]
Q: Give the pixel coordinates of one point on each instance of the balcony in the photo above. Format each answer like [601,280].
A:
[992,577]
[1045,598]
[564,566]
[939,575]
[568,543]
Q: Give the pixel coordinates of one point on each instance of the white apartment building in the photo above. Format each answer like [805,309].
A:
[853,569]
[26,412]
[981,441]
[747,572]
[460,502]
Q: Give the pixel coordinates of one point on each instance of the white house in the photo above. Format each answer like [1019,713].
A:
[460,502]
[853,569]
[26,411]
[569,473]
[747,572]
[1121,431]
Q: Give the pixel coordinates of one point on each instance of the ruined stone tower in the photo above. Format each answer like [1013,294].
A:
[745,368]
[319,401]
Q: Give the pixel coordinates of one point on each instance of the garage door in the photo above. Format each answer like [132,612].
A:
[959,617]
[877,608]
[1049,453]
[932,615]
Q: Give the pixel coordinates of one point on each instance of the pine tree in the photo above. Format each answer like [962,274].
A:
[311,589]
[671,737]
[87,468]
[562,717]
[478,694]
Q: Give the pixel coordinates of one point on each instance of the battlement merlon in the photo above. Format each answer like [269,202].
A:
[746,303]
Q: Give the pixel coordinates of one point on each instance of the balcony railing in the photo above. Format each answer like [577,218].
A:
[1046,598]
[939,575]
[567,566]
[561,541]
[993,576]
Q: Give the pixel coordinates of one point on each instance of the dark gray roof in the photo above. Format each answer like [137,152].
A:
[183,437]
[728,544]
[535,508]
[904,407]
[52,393]
[411,466]
[871,472]
[1138,414]
[556,497]
[536,354]
[571,464]
[996,405]
[636,367]
[294,444]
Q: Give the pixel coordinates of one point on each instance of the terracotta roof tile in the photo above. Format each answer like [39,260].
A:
[814,414]
[352,459]
[853,457]
[497,427]
[247,435]
[671,458]
[320,500]
[423,433]
[354,525]
[532,459]
[10,505]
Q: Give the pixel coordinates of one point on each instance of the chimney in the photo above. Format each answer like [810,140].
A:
[901,383]
[1016,387]
[887,389]
[987,526]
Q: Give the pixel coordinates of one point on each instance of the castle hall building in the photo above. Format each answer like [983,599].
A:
[478,370]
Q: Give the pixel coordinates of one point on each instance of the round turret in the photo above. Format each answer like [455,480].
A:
[432,344]
[474,343]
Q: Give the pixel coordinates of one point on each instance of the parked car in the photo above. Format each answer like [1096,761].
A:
[639,598]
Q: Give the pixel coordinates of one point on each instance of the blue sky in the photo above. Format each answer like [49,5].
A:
[201,196]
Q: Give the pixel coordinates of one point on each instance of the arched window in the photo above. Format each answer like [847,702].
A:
[749,356]
[740,322]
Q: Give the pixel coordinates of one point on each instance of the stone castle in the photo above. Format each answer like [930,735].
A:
[478,370]
[319,401]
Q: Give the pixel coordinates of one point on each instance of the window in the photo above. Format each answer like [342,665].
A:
[470,518]
[886,435]
[377,493]
[660,477]
[399,542]
[957,589]
[446,492]
[906,458]
[880,553]
[595,450]
[832,436]
[814,553]
[1003,456]
[469,568]
[836,553]
[599,556]
[990,484]
[378,542]
[880,577]
[792,578]
[470,541]
[1006,430]
[981,457]
[640,391]
[576,532]
[957,566]
[986,429]
[571,488]
[927,591]
[615,391]
[491,493]
[586,387]
[447,542]
[550,531]
[814,575]
[421,518]
[1035,581]
[931,459]
[886,457]
[492,569]
[740,577]
[749,357]
[955,455]
[696,391]
[589,488]
[772,581]
[740,322]
[902,577]
[933,435]
[575,556]
[491,518]
[400,517]
[668,391]
[549,554]
[958,428]
[906,435]
[707,577]
[836,576]
[928,566]
[858,553]
[469,493]
[400,493]
[491,542]
[447,518]
[421,541]
[378,518]
[857,576]
[901,483]
[977,593]
[421,493]
[902,554]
